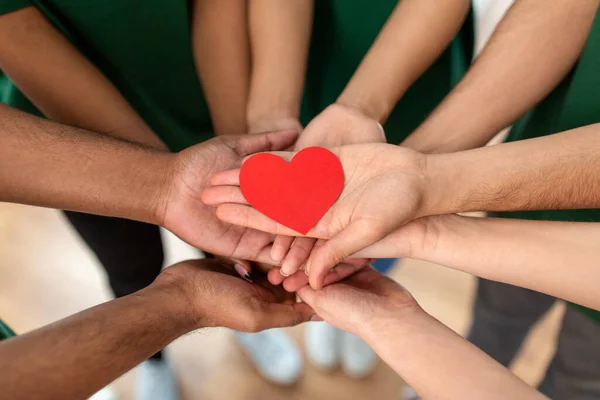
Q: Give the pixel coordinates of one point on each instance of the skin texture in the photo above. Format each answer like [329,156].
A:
[77,356]
[380,311]
[52,165]
[475,180]
[557,258]
[39,59]
[533,48]
[222,59]
[415,34]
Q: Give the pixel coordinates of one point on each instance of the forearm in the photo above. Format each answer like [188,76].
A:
[222,55]
[414,36]
[438,363]
[553,172]
[47,164]
[531,51]
[557,258]
[42,63]
[75,357]
[280,35]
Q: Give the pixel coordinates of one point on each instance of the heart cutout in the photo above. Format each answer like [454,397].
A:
[295,194]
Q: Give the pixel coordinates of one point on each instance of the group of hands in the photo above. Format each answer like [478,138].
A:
[329,268]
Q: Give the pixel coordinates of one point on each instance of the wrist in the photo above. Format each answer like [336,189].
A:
[170,301]
[160,172]
[443,184]
[373,107]
[274,120]
[387,323]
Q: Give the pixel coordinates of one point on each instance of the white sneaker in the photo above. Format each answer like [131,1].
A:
[106,393]
[155,380]
[358,359]
[408,393]
[322,342]
[275,355]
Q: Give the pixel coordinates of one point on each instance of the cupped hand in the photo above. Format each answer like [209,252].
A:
[218,297]
[384,188]
[340,125]
[187,217]
[359,303]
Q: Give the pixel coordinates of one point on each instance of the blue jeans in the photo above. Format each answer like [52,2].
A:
[383,265]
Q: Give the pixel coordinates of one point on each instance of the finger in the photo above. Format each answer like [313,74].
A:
[274,277]
[359,261]
[280,248]
[217,195]
[339,273]
[297,255]
[286,155]
[243,215]
[309,295]
[295,282]
[226,178]
[243,268]
[275,315]
[355,237]
[249,144]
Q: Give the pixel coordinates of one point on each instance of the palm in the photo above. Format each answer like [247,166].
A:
[383,190]
[220,298]
[376,193]
[349,303]
[187,217]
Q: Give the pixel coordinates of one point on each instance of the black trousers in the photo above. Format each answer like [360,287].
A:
[131,252]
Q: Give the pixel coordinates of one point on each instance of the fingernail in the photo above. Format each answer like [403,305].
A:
[306,270]
[316,318]
[283,273]
[243,272]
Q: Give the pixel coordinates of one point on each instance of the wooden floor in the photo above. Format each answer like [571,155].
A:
[46,273]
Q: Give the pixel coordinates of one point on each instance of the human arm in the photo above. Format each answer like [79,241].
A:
[431,358]
[531,51]
[553,172]
[414,36]
[48,164]
[62,83]
[279,37]
[222,56]
[76,356]
[557,258]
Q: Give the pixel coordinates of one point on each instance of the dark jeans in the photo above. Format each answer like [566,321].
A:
[503,316]
[131,252]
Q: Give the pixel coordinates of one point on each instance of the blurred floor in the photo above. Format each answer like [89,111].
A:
[46,273]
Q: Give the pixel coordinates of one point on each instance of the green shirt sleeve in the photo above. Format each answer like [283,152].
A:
[7,6]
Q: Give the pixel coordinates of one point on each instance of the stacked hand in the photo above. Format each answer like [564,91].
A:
[375,175]
[181,211]
[216,296]
[337,125]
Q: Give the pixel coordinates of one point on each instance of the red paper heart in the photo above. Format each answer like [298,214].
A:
[295,194]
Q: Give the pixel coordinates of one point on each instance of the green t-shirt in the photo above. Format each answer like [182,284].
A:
[574,103]
[5,331]
[146,51]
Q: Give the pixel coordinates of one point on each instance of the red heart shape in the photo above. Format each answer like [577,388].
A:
[295,194]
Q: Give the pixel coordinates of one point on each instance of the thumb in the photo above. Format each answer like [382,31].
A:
[353,238]
[277,315]
[273,141]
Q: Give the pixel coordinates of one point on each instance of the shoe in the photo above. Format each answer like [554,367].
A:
[358,359]
[275,355]
[155,380]
[408,393]
[322,342]
[106,393]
